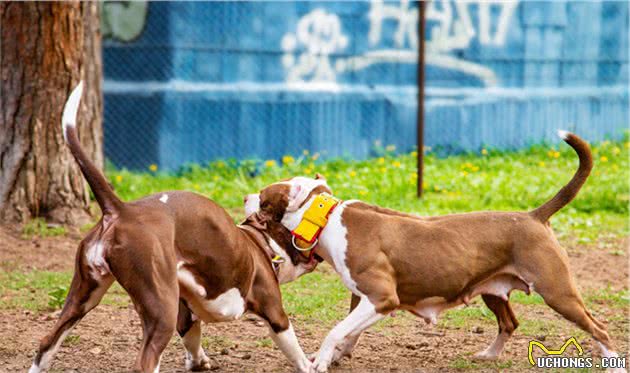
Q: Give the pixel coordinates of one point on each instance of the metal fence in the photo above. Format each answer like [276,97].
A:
[189,82]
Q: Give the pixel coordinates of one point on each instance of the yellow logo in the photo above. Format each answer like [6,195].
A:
[566,344]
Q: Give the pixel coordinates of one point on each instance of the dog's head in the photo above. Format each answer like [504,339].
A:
[291,264]
[283,201]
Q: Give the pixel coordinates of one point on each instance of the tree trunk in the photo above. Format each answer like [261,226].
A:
[45,49]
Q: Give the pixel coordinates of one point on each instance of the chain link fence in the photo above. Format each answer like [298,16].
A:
[189,82]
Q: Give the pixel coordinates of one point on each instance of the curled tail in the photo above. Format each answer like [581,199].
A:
[569,191]
[107,200]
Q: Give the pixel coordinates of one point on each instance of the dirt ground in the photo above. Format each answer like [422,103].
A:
[110,335]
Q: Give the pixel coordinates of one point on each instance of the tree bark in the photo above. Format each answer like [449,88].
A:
[45,50]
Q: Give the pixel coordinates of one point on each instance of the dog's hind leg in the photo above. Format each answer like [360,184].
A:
[147,270]
[560,293]
[85,294]
[190,331]
[507,324]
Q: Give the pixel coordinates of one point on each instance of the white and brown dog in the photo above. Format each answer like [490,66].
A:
[391,260]
[182,260]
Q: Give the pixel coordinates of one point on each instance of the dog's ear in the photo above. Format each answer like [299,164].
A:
[319,176]
[297,196]
[257,220]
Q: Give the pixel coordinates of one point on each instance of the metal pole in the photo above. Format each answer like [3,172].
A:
[420,83]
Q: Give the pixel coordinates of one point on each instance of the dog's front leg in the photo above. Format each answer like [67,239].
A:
[281,330]
[287,343]
[361,318]
[348,345]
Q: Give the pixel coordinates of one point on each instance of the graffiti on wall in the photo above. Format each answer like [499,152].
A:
[123,20]
[315,51]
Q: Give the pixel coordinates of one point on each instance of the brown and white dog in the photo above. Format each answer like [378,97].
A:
[391,260]
[182,260]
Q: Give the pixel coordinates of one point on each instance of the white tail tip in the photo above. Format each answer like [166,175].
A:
[563,134]
[70,110]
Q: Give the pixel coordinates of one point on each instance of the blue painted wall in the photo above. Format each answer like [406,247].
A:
[191,82]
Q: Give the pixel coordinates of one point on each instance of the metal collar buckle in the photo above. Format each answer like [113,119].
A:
[304,248]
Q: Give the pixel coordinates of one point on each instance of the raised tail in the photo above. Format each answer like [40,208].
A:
[569,191]
[105,196]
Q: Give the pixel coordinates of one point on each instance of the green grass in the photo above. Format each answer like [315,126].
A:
[264,343]
[494,180]
[522,298]
[39,228]
[318,297]
[466,317]
[216,342]
[467,364]
[71,340]
[45,291]
[608,297]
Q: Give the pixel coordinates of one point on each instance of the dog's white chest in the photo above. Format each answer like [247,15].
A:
[227,306]
[334,238]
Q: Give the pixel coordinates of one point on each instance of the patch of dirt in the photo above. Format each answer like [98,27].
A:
[108,339]
[44,254]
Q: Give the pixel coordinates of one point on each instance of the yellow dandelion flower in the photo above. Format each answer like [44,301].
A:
[118,178]
[556,154]
[381,160]
[615,167]
[396,164]
[484,151]
[603,158]
[270,163]
[216,178]
[196,187]
[616,150]
[363,192]
[383,169]
[308,170]
[627,144]
[425,184]
[463,173]
[436,188]
[287,159]
[390,148]
[541,164]
[474,168]
[352,173]
[153,167]
[414,153]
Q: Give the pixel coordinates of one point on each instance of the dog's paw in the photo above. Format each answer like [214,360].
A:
[343,351]
[320,366]
[485,356]
[198,366]
[305,367]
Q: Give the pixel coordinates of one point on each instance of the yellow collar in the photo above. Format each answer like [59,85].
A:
[314,220]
